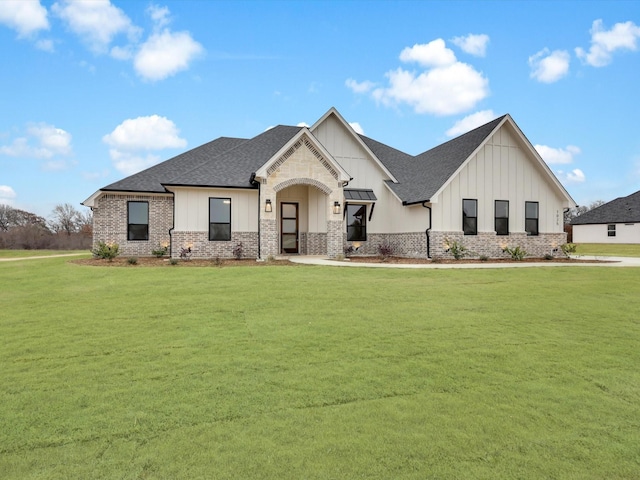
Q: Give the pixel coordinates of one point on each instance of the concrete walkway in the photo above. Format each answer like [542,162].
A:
[39,257]
[606,262]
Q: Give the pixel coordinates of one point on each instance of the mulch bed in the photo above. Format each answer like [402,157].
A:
[392,260]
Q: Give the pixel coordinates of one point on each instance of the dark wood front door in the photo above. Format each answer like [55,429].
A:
[289,227]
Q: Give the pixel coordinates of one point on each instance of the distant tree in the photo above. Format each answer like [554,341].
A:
[85,222]
[65,219]
[5,217]
[569,215]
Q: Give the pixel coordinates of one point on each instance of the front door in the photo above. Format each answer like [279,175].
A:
[289,227]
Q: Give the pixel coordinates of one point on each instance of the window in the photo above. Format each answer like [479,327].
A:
[611,230]
[502,217]
[220,219]
[470,217]
[531,218]
[356,222]
[137,220]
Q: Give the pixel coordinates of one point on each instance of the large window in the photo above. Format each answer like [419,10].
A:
[531,218]
[611,230]
[137,220]
[502,217]
[356,222]
[220,219]
[470,216]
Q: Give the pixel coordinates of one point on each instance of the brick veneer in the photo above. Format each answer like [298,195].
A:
[410,244]
[490,245]
[202,247]
[110,222]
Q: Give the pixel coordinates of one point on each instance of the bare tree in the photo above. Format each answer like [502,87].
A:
[65,219]
[579,210]
[6,213]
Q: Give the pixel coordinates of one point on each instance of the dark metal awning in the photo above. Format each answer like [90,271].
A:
[359,195]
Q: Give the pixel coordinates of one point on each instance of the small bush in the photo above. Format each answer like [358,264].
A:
[173,261]
[160,251]
[217,262]
[348,251]
[385,250]
[185,253]
[238,251]
[483,258]
[548,256]
[132,261]
[568,248]
[106,251]
[517,253]
[458,250]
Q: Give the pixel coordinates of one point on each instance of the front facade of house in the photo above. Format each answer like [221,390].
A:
[322,189]
[617,221]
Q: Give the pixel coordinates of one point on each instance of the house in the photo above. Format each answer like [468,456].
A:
[615,222]
[318,190]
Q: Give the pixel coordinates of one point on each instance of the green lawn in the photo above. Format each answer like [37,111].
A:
[603,249]
[317,372]
[36,253]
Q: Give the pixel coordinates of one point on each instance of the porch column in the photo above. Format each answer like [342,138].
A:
[268,227]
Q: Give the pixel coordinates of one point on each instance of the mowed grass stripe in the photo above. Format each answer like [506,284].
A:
[314,372]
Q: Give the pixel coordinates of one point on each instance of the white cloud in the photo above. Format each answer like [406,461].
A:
[622,36]
[25,16]
[473,44]
[359,87]
[132,140]
[574,176]
[46,45]
[432,54]
[549,67]
[159,15]
[301,124]
[145,133]
[96,22]
[445,87]
[557,155]
[470,122]
[7,194]
[356,127]
[165,54]
[41,141]
[446,90]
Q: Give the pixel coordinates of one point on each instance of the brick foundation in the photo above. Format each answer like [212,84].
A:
[202,247]
[410,244]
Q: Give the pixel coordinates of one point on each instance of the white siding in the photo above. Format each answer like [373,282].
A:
[501,170]
[625,233]
[192,208]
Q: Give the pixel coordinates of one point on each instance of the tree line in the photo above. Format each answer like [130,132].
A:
[66,229]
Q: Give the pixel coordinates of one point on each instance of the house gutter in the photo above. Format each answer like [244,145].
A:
[424,204]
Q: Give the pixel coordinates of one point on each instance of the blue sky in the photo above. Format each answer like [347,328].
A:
[91,92]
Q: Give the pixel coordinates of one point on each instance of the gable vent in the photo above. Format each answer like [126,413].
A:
[284,157]
[319,156]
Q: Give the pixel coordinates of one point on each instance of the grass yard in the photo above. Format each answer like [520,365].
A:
[318,372]
[614,250]
[36,253]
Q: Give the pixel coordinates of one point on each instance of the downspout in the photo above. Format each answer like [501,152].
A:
[253,181]
[173,224]
[428,230]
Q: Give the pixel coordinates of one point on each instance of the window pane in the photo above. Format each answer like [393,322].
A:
[502,209]
[138,212]
[611,230]
[219,210]
[470,208]
[138,232]
[356,233]
[288,241]
[502,226]
[356,214]
[531,209]
[470,226]
[288,210]
[288,225]
[220,231]
[531,226]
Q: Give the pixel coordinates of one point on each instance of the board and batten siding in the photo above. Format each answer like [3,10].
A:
[500,170]
[598,233]
[389,216]
[192,208]
[312,207]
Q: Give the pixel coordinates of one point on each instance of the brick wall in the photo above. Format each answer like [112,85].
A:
[110,222]
[202,247]
[410,244]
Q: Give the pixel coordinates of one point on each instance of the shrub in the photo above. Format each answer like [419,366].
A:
[517,253]
[568,248]
[185,253]
[132,261]
[161,251]
[238,251]
[217,262]
[385,250]
[348,251]
[106,251]
[173,261]
[458,250]
[483,258]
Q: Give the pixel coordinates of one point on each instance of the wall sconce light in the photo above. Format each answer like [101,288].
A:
[267,206]
[336,207]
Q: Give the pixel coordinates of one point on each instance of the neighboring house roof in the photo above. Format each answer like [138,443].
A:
[151,179]
[620,210]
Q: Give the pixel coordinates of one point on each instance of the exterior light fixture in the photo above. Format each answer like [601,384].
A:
[267,206]
[336,207]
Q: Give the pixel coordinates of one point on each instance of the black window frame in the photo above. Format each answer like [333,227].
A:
[530,221]
[215,234]
[611,232]
[469,223]
[132,234]
[356,233]
[502,229]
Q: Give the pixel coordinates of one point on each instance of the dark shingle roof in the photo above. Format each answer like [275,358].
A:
[233,168]
[620,210]
[151,179]
[420,177]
